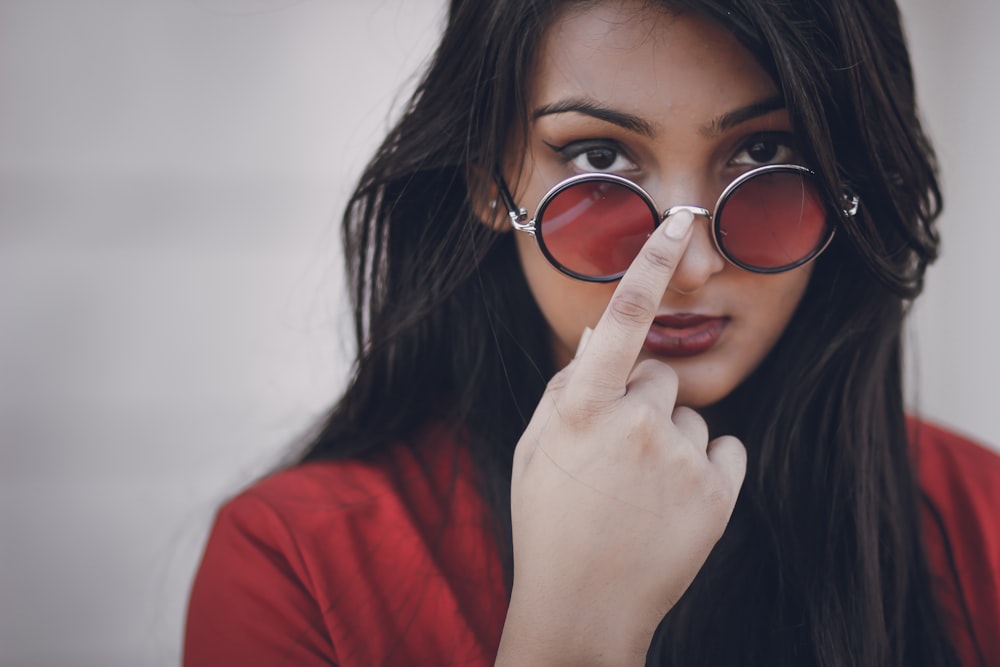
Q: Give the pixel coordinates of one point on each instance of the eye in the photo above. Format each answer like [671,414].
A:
[591,156]
[768,148]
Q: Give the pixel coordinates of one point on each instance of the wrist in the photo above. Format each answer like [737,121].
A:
[536,633]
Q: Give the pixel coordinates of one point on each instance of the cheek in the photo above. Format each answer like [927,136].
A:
[787,293]
[777,299]
[568,305]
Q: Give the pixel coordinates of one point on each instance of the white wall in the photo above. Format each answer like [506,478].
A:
[169,285]
[956,56]
[170,176]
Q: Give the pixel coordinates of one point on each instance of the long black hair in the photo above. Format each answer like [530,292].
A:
[824,561]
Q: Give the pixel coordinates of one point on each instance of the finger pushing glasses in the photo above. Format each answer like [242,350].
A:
[591,226]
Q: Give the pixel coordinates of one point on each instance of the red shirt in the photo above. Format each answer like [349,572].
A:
[962,480]
[393,562]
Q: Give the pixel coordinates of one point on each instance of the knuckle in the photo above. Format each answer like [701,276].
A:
[645,419]
[684,412]
[666,371]
[660,258]
[685,467]
[655,370]
[581,413]
[630,307]
[692,425]
[642,437]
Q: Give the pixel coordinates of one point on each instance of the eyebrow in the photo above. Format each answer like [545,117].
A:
[591,108]
[637,124]
[731,119]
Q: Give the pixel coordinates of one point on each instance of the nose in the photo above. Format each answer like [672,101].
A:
[701,260]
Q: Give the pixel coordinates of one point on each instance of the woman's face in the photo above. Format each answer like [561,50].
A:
[676,104]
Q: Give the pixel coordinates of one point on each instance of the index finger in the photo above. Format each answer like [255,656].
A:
[606,363]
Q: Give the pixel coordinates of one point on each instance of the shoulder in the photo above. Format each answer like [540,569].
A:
[336,559]
[424,482]
[307,511]
[953,467]
[310,511]
[960,480]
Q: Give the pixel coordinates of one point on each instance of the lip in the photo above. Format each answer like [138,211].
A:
[684,334]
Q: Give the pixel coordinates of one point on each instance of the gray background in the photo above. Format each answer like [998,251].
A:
[170,310]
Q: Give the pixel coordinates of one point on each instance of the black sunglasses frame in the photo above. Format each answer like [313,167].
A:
[521,222]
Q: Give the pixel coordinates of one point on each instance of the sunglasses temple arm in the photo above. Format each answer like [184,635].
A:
[518,216]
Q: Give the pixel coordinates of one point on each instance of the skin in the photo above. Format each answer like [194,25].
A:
[677,76]
[617,493]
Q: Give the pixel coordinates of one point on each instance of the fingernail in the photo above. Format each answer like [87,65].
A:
[678,225]
[584,337]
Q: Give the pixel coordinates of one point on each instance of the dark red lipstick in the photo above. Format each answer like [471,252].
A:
[684,334]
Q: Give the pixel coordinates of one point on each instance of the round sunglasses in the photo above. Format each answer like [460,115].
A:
[591,226]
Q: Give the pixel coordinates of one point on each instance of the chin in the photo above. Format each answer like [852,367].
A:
[697,400]
[697,391]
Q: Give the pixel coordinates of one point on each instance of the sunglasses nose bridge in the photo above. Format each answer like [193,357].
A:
[693,210]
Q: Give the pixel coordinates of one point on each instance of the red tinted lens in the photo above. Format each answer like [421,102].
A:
[595,228]
[773,220]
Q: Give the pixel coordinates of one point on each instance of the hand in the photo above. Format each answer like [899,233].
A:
[617,495]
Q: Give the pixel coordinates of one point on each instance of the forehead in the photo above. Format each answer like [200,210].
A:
[645,59]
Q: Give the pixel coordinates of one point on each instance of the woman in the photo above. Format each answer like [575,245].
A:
[722,473]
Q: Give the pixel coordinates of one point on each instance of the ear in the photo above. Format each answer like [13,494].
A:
[485,200]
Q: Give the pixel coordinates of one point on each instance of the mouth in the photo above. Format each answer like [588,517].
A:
[684,334]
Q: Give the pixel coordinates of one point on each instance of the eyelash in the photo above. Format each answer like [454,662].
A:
[575,149]
[783,142]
